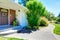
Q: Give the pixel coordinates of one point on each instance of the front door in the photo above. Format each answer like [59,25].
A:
[12,16]
[3,18]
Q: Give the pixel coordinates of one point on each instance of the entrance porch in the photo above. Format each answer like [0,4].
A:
[7,16]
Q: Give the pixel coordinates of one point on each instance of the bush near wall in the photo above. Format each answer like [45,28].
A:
[43,21]
[15,23]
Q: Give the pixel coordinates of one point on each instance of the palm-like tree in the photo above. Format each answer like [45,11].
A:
[59,15]
[23,2]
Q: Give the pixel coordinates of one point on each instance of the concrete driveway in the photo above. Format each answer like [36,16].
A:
[42,34]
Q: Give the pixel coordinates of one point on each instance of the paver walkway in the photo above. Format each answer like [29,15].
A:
[42,34]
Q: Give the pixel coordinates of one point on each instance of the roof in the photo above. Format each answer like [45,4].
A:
[11,5]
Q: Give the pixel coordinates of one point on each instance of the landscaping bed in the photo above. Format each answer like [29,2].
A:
[57,29]
[4,38]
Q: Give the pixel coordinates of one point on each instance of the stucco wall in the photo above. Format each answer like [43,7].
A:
[22,19]
[21,16]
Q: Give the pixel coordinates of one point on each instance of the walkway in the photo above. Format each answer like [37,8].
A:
[5,29]
[42,34]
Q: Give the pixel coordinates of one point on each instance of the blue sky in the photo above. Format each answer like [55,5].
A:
[52,6]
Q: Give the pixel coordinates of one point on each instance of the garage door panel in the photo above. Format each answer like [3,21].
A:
[0,18]
[3,18]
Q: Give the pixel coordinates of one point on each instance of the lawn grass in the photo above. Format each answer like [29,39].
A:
[4,38]
[57,29]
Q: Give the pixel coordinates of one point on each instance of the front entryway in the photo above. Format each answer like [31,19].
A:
[12,16]
[3,18]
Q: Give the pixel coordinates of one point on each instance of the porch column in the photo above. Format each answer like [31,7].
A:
[8,17]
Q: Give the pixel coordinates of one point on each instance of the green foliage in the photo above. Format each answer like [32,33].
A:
[4,38]
[43,21]
[58,19]
[15,23]
[36,9]
[14,39]
[32,28]
[50,16]
[28,28]
[57,29]
[24,2]
[35,27]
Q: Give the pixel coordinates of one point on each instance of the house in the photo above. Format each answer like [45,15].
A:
[10,10]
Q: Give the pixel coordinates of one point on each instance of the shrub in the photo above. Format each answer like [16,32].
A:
[58,20]
[15,23]
[36,9]
[43,21]
[35,27]
[32,28]
[28,28]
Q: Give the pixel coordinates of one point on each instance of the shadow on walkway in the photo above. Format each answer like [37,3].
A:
[24,31]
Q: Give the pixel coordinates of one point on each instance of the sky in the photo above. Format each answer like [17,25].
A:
[52,6]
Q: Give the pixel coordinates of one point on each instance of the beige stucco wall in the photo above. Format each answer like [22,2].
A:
[19,15]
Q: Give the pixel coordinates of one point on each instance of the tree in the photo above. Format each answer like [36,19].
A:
[23,2]
[59,15]
[36,10]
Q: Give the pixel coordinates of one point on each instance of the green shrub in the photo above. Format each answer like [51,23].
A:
[35,27]
[58,20]
[15,23]
[32,28]
[36,10]
[43,21]
[28,28]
